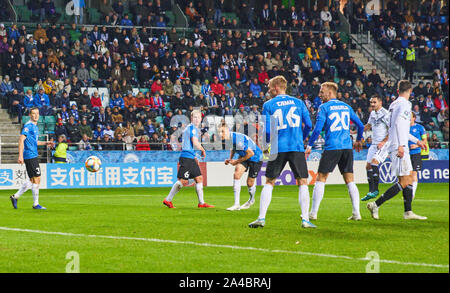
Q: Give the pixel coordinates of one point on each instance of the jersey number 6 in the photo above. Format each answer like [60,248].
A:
[292,119]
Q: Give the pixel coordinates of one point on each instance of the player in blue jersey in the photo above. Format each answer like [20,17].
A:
[189,168]
[335,115]
[28,154]
[250,159]
[419,132]
[283,117]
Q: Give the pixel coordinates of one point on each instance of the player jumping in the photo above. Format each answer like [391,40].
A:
[283,117]
[189,167]
[250,159]
[28,154]
[378,151]
[335,116]
[399,128]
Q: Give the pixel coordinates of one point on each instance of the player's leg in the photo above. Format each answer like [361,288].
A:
[238,172]
[354,195]
[327,163]
[416,161]
[254,169]
[176,187]
[273,170]
[370,153]
[414,183]
[25,186]
[36,181]
[196,173]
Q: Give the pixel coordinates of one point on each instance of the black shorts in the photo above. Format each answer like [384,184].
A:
[331,158]
[296,160]
[253,168]
[416,162]
[188,169]
[33,169]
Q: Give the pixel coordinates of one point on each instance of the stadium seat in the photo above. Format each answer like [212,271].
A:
[26,88]
[159,119]
[435,120]
[301,55]
[430,44]
[443,19]
[171,17]
[167,104]
[144,90]
[439,135]
[49,119]
[438,44]
[25,119]
[73,148]
[41,119]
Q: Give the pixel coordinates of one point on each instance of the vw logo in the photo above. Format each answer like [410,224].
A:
[386,175]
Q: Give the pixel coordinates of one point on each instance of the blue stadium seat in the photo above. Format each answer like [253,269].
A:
[438,44]
[443,19]
[430,44]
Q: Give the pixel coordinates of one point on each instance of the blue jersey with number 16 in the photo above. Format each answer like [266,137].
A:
[336,115]
[285,115]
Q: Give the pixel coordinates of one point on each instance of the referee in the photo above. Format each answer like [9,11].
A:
[28,154]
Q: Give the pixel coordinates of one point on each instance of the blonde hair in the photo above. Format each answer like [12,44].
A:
[279,81]
[196,111]
[331,86]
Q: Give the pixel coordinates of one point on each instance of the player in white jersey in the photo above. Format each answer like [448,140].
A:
[400,119]
[378,151]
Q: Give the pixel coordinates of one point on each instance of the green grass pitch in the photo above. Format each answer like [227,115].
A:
[129,230]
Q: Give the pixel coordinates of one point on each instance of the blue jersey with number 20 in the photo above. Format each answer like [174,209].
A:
[285,115]
[336,115]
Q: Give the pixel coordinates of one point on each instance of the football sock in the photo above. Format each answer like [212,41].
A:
[237,191]
[25,186]
[199,190]
[354,196]
[303,198]
[251,192]
[319,189]
[390,193]
[407,197]
[414,186]
[35,191]
[266,197]
[375,177]
[175,188]
[370,179]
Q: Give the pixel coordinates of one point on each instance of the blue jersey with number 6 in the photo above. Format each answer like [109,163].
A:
[284,116]
[336,115]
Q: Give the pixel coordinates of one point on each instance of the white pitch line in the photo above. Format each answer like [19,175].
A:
[222,246]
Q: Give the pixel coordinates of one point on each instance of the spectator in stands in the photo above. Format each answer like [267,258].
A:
[84,144]
[73,130]
[434,142]
[85,128]
[106,143]
[143,144]
[445,130]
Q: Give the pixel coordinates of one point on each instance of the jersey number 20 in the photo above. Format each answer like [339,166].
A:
[293,120]
[340,121]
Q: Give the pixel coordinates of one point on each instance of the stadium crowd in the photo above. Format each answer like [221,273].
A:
[217,67]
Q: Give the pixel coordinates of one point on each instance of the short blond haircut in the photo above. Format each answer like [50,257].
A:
[194,112]
[331,86]
[279,81]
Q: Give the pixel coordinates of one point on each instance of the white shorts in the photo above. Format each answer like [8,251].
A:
[400,166]
[378,154]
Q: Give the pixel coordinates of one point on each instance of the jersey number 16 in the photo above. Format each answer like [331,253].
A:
[292,119]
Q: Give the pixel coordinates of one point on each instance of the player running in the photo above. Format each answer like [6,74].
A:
[250,159]
[283,117]
[28,154]
[189,167]
[378,151]
[335,116]
[419,132]
[399,129]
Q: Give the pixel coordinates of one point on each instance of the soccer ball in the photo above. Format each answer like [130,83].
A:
[93,164]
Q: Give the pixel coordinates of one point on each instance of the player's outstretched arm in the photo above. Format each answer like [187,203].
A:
[198,146]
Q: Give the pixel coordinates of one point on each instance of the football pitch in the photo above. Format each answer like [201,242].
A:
[130,230]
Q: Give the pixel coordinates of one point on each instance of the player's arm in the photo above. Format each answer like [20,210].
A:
[248,154]
[368,126]
[21,147]
[266,137]
[383,142]
[306,119]
[355,119]
[320,122]
[227,161]
[197,145]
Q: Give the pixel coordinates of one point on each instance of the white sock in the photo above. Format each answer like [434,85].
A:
[303,199]
[251,192]
[25,186]
[175,188]
[354,196]
[35,191]
[266,197]
[199,189]
[237,191]
[414,184]
[319,189]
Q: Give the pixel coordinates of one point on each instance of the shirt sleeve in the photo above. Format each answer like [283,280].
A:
[306,120]
[26,130]
[371,119]
[266,114]
[401,123]
[358,123]
[320,122]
